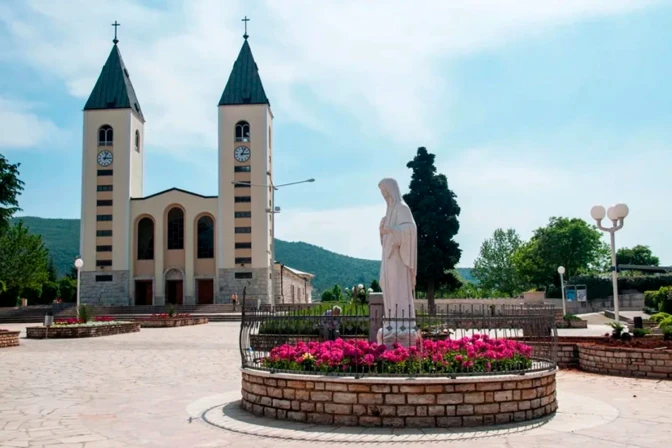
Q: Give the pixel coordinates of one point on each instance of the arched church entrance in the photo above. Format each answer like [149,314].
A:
[174,287]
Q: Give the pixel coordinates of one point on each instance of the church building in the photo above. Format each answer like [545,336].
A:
[175,246]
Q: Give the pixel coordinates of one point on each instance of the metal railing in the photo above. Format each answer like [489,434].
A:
[457,340]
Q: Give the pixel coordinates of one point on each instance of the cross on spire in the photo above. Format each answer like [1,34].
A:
[245,20]
[115,25]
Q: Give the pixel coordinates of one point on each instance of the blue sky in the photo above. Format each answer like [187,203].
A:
[533,108]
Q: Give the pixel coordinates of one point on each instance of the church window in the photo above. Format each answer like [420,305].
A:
[240,275]
[241,260]
[241,169]
[242,131]
[145,239]
[104,278]
[175,228]
[103,217]
[104,202]
[243,199]
[105,172]
[103,232]
[243,229]
[206,237]
[105,135]
[243,245]
[242,214]
[103,248]
[137,141]
[104,188]
[242,184]
[103,263]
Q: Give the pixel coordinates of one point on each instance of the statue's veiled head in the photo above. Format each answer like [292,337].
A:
[390,190]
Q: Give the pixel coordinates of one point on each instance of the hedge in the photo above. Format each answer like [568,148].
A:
[600,287]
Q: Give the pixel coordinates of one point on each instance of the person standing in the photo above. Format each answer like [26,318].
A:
[234,300]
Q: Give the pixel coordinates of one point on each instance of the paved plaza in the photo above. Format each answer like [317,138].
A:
[140,390]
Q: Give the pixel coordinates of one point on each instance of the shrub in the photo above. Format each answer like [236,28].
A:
[571,317]
[49,292]
[640,332]
[67,288]
[658,317]
[617,329]
[32,294]
[600,286]
[85,313]
[171,311]
[666,323]
[667,334]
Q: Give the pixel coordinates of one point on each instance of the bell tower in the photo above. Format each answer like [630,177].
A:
[244,224]
[112,173]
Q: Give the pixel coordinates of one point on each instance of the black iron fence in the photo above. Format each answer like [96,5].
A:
[456,340]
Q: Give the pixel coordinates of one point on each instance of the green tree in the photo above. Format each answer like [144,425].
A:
[337,292]
[494,267]
[375,286]
[23,259]
[49,292]
[10,188]
[51,271]
[435,211]
[67,289]
[571,243]
[638,255]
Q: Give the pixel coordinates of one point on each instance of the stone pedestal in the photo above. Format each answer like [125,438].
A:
[376,311]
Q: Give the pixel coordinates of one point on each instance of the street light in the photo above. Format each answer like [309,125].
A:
[79,263]
[561,271]
[616,213]
[273,210]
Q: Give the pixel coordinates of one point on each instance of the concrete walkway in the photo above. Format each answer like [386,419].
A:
[139,390]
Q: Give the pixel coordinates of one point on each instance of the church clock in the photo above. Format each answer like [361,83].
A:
[105,158]
[242,154]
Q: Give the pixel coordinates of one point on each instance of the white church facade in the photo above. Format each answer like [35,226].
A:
[176,246]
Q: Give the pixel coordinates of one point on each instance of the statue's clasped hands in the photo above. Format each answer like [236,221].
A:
[385,230]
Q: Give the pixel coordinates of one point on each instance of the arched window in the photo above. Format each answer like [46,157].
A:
[175,228]
[105,135]
[242,131]
[137,141]
[145,239]
[206,237]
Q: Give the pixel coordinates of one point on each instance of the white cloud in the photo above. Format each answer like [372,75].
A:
[378,60]
[22,127]
[515,194]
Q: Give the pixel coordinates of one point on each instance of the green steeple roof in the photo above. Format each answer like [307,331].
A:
[114,90]
[244,85]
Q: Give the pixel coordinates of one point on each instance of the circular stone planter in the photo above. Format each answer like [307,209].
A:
[72,331]
[9,338]
[398,402]
[176,322]
[635,362]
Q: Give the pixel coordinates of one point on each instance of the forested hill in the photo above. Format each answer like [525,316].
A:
[61,236]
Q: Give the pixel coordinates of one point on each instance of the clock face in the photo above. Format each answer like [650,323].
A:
[242,154]
[105,158]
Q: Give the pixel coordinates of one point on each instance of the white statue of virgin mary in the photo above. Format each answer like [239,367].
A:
[398,237]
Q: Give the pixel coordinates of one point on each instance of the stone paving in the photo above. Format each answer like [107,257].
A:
[140,389]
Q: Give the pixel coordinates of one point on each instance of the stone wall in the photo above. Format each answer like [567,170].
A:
[258,287]
[391,402]
[114,293]
[626,362]
[9,338]
[178,322]
[81,332]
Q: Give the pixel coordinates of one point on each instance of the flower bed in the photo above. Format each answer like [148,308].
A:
[74,321]
[177,320]
[79,330]
[612,359]
[9,338]
[476,354]
[399,402]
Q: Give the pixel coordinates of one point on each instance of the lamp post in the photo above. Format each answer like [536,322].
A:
[616,213]
[273,210]
[561,271]
[79,263]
